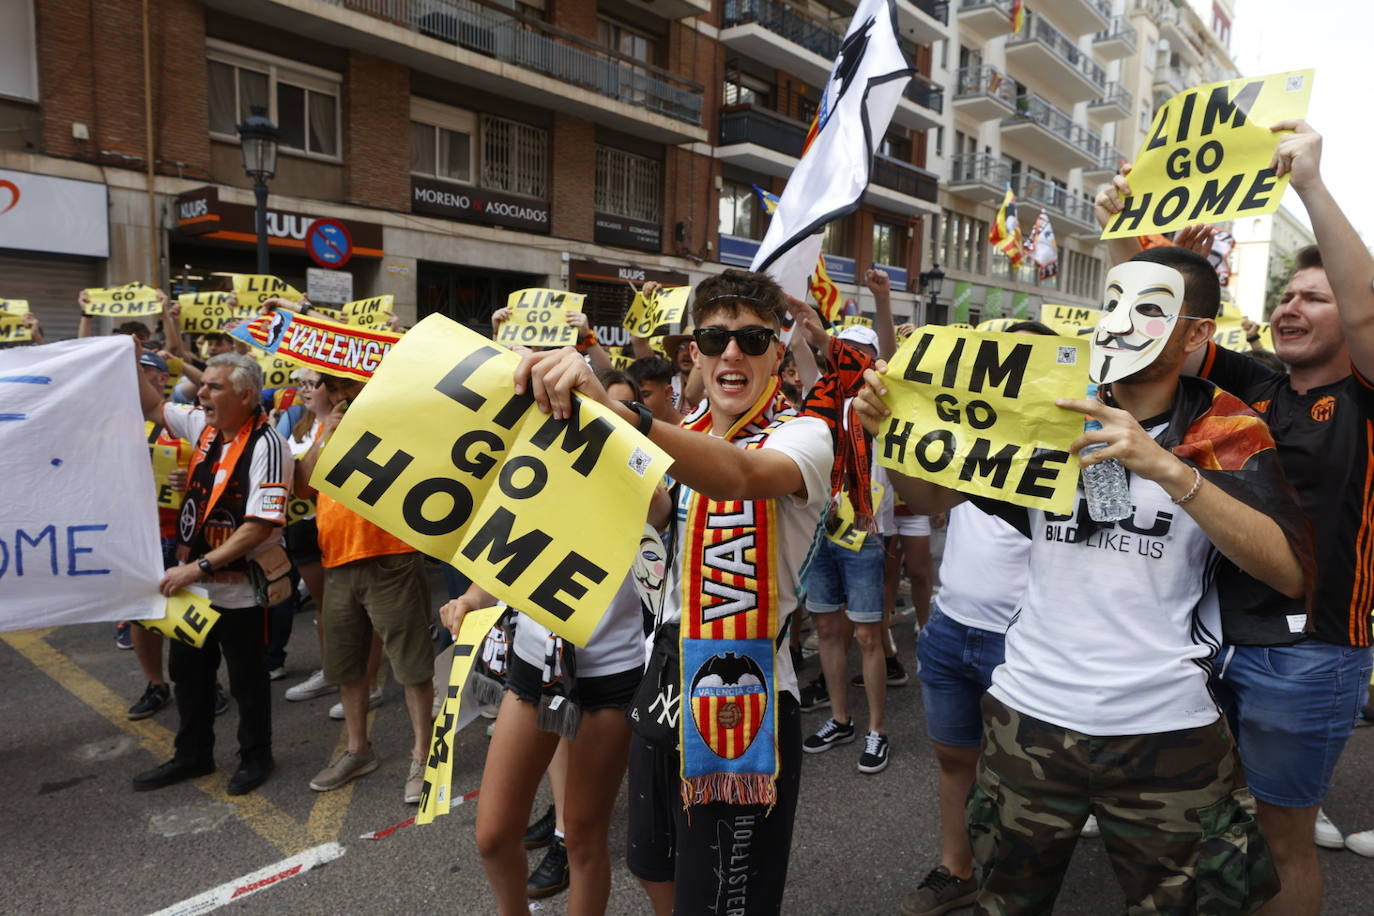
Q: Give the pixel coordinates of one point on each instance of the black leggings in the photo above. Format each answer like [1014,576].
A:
[723,858]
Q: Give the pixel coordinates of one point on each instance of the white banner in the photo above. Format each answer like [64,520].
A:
[78,512]
[42,213]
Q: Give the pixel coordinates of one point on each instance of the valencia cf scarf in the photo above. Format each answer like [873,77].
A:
[730,623]
[212,472]
[829,400]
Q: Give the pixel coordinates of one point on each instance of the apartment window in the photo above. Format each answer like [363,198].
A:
[18,53]
[940,141]
[514,157]
[896,145]
[739,211]
[631,42]
[889,244]
[963,243]
[743,89]
[627,185]
[302,101]
[1082,275]
[836,239]
[442,141]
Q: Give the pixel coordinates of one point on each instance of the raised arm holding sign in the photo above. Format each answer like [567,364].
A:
[538,318]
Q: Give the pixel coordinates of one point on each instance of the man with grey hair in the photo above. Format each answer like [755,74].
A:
[234,510]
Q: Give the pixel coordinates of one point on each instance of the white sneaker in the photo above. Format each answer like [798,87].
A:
[1327,836]
[1090,828]
[1362,843]
[374,699]
[311,687]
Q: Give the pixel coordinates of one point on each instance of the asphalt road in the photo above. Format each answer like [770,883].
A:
[75,839]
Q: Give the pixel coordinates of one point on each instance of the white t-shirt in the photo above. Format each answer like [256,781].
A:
[983,571]
[616,645]
[806,440]
[1116,632]
[884,513]
[270,484]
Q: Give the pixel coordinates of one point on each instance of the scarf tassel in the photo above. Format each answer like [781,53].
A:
[485,690]
[559,715]
[731,789]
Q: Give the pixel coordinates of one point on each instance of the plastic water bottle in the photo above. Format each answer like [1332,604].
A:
[1104,483]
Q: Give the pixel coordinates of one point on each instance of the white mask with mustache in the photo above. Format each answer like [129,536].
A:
[1139,311]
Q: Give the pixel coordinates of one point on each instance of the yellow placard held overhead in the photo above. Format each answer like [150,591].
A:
[1069,320]
[204,313]
[543,513]
[1207,157]
[12,327]
[666,308]
[189,618]
[368,313]
[998,325]
[539,318]
[133,300]
[1231,335]
[276,372]
[299,508]
[436,794]
[252,290]
[975,412]
[620,362]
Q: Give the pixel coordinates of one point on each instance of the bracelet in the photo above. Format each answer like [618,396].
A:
[646,417]
[1254,339]
[1197,485]
[205,566]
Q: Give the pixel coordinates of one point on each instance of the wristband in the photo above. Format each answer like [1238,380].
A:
[205,566]
[1197,485]
[646,417]
[1254,339]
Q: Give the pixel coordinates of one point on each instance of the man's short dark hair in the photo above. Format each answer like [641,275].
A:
[136,328]
[1201,289]
[652,369]
[731,290]
[1308,256]
[612,376]
[1029,327]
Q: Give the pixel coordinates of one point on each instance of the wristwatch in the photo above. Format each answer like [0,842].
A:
[205,567]
[646,417]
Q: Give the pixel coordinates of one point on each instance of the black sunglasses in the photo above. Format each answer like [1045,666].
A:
[752,341]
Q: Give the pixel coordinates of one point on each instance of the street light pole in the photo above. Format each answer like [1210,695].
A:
[930,282]
[258,138]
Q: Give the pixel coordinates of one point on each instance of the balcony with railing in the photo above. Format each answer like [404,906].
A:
[1051,134]
[760,140]
[900,187]
[923,21]
[1116,41]
[921,105]
[1106,165]
[486,47]
[1071,214]
[984,19]
[1114,105]
[1170,80]
[1078,16]
[1042,49]
[984,93]
[979,177]
[780,37]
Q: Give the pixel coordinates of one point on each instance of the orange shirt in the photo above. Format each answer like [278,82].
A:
[346,536]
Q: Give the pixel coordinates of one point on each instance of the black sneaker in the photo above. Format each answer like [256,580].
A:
[538,834]
[829,735]
[814,695]
[124,636]
[552,874]
[874,757]
[896,675]
[939,893]
[221,701]
[153,699]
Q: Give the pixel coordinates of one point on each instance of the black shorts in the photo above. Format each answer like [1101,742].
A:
[303,542]
[611,691]
[723,858]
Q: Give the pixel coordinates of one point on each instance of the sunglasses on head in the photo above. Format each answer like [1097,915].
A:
[752,341]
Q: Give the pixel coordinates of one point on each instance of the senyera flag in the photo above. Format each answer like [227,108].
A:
[318,343]
[856,105]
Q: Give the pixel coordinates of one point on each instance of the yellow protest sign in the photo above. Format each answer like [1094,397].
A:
[539,318]
[840,527]
[132,300]
[975,412]
[252,290]
[276,372]
[963,325]
[1231,335]
[175,367]
[332,314]
[166,459]
[189,618]
[1069,320]
[435,794]
[665,308]
[999,325]
[12,327]
[299,508]
[656,344]
[1208,153]
[204,313]
[620,362]
[543,513]
[368,313]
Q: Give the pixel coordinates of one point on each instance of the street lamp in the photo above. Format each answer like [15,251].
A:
[258,138]
[931,281]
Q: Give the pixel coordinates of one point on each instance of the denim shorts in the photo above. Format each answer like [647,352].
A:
[848,579]
[955,662]
[1292,709]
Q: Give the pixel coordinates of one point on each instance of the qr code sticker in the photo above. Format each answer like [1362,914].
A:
[1294,84]
[1068,356]
[640,461]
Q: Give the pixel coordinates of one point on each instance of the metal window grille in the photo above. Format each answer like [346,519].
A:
[627,185]
[514,157]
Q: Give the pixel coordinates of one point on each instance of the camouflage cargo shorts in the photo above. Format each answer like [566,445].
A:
[1177,819]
